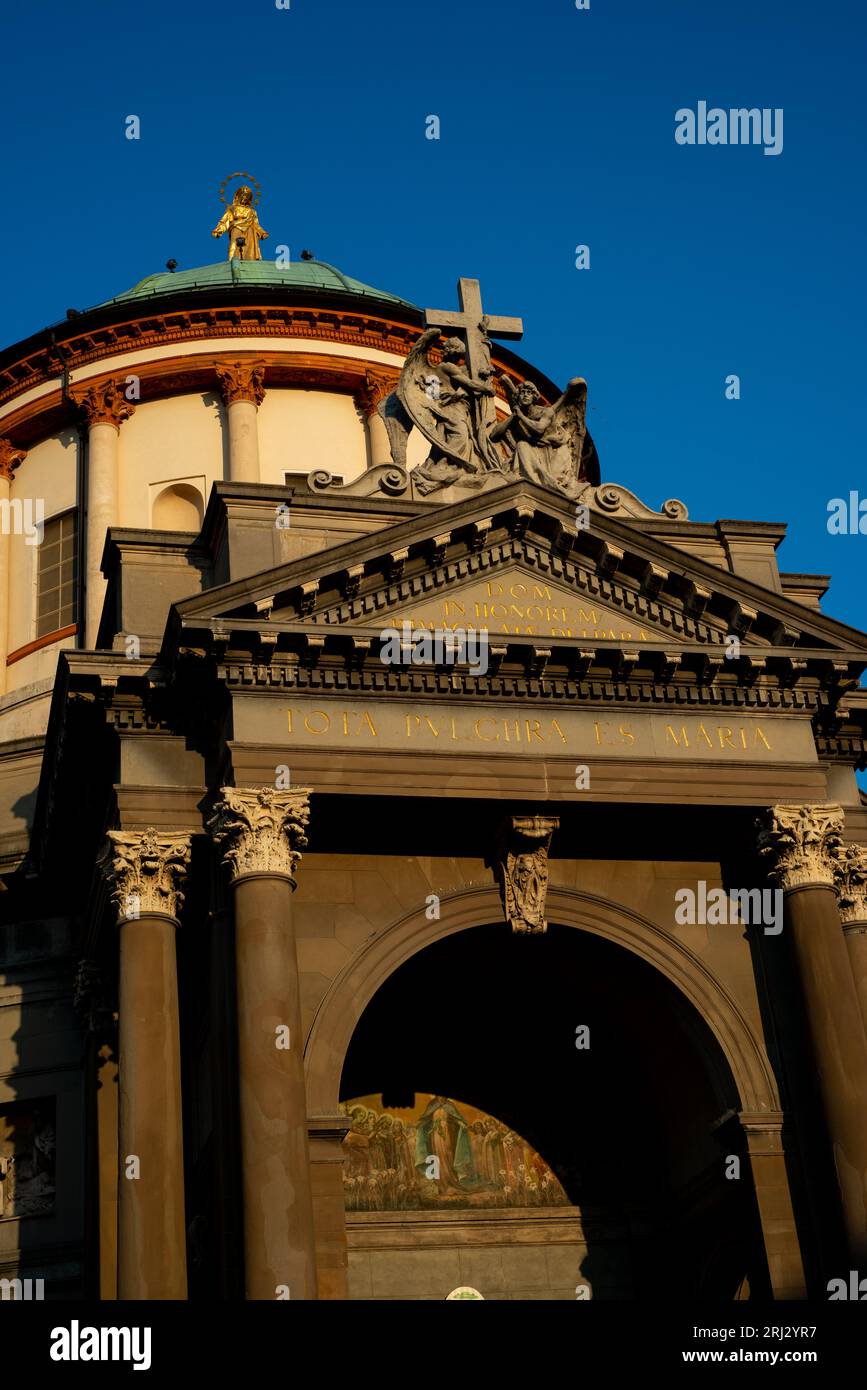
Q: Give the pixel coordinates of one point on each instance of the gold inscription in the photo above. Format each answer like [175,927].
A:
[720,737]
[573,731]
[525,608]
[351,723]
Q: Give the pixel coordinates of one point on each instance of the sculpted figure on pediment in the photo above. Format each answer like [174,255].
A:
[445,402]
[547,442]
[453,409]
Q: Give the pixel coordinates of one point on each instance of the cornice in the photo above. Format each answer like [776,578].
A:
[44,361]
[156,328]
[576,676]
[252,658]
[649,580]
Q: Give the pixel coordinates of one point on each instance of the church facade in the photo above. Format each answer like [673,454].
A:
[429,870]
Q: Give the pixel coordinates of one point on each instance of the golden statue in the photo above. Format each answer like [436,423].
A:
[241,221]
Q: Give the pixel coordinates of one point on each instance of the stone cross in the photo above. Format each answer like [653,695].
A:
[475,328]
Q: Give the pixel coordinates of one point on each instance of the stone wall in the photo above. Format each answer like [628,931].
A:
[503,1254]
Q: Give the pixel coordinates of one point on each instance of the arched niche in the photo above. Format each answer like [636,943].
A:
[178,508]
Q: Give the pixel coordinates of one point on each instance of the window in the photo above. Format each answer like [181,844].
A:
[58,575]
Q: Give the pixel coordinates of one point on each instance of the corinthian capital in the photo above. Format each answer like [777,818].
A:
[376,387]
[106,404]
[521,865]
[241,381]
[800,844]
[146,872]
[10,457]
[260,830]
[851,867]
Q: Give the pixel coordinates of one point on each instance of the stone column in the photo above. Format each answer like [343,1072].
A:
[801,844]
[261,833]
[243,392]
[10,458]
[99,1019]
[224,1099]
[146,871]
[369,399]
[774,1199]
[105,408]
[852,901]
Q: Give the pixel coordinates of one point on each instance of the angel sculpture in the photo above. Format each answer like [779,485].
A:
[550,442]
[443,401]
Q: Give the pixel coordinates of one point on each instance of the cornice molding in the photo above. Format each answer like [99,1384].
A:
[371,677]
[198,323]
[47,640]
[611,562]
[191,373]
[349,328]
[312,667]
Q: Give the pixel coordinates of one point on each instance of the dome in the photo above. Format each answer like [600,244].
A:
[224,275]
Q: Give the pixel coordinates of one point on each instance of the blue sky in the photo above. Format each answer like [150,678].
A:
[557,129]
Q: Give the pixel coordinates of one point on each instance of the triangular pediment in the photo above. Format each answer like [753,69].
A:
[511,600]
[515,563]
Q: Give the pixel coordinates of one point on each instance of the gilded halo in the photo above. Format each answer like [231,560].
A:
[248,178]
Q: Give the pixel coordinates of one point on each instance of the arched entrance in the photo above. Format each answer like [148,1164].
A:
[632,1121]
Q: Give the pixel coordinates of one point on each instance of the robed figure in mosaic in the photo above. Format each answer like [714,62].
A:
[442,1134]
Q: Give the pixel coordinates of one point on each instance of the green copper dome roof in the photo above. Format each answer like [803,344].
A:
[300,275]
